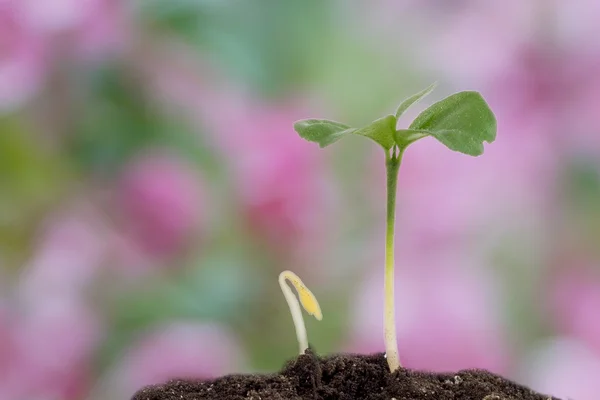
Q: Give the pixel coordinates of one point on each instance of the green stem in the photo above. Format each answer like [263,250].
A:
[389,321]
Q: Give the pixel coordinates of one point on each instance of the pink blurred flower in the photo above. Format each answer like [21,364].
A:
[22,59]
[534,63]
[104,31]
[280,180]
[179,350]
[5,340]
[53,346]
[556,90]
[574,299]
[473,58]
[162,202]
[70,251]
[97,23]
[564,368]
[53,336]
[278,175]
[52,16]
[76,28]
[31,31]
[448,315]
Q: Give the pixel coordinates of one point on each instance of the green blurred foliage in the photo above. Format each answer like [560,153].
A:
[32,180]
[269,44]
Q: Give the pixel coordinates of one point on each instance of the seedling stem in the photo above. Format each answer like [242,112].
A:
[389,321]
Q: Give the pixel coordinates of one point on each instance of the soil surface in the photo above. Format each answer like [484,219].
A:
[345,377]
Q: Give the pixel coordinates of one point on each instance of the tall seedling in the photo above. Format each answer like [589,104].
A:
[461,122]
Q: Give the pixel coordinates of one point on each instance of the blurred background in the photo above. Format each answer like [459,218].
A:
[152,188]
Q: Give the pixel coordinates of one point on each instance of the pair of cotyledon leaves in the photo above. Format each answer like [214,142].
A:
[462,122]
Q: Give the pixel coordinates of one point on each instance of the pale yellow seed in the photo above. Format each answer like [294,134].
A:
[309,302]
[307,299]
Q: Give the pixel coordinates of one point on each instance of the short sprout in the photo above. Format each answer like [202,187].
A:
[308,300]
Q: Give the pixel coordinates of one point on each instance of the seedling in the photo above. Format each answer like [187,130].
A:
[308,300]
[461,122]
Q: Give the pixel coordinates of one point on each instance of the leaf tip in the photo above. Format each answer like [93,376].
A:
[300,124]
[413,99]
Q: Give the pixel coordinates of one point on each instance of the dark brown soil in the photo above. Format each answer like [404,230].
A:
[345,377]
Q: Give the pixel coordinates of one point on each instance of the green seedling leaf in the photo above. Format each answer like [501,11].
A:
[404,137]
[462,122]
[325,132]
[413,99]
[381,130]
[322,131]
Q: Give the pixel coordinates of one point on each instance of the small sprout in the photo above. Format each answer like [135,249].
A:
[308,300]
[462,122]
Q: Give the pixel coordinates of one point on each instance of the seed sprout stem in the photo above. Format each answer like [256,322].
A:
[308,300]
[389,322]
